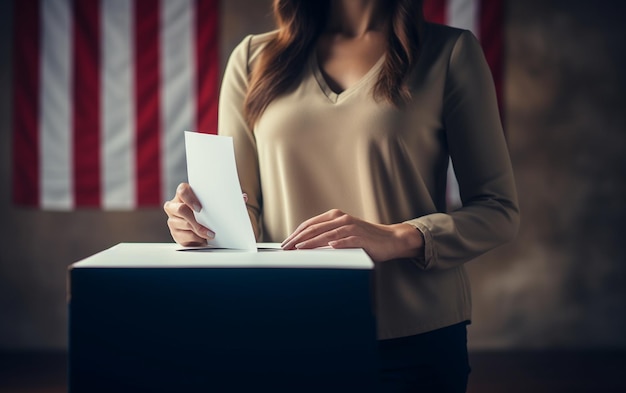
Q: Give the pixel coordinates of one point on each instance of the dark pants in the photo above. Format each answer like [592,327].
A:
[435,361]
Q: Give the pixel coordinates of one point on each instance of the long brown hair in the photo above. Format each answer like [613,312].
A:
[300,23]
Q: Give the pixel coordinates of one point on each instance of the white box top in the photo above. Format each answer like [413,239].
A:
[171,255]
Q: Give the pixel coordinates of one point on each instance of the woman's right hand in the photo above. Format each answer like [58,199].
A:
[182,223]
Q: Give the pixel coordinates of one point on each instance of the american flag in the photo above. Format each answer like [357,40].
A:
[103,90]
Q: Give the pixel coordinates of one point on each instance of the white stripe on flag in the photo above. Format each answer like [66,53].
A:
[117,140]
[55,100]
[177,89]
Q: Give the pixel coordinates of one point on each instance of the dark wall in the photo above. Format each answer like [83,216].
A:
[560,284]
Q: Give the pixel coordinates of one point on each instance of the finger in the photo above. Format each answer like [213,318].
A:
[357,242]
[180,210]
[319,218]
[324,217]
[245,197]
[314,231]
[183,233]
[372,250]
[323,239]
[183,219]
[188,239]
[186,195]
[295,233]
[329,228]
[347,242]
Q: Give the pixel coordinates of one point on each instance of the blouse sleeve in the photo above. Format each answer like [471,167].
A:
[490,214]
[231,122]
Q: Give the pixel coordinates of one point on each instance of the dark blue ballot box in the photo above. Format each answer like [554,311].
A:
[153,318]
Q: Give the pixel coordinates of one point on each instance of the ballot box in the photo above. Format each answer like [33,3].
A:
[154,318]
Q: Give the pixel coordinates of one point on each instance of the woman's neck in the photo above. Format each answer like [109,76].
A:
[355,18]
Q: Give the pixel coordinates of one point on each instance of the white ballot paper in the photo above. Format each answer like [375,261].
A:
[212,174]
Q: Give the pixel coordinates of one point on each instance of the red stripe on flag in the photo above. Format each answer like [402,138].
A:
[86,102]
[206,31]
[491,38]
[435,11]
[26,83]
[147,101]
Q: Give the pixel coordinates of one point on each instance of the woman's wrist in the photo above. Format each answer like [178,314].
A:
[410,241]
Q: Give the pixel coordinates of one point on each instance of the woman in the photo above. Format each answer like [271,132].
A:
[343,122]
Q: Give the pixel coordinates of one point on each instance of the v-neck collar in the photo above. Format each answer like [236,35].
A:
[325,87]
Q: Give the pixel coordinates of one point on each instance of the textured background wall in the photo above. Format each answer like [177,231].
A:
[561,284]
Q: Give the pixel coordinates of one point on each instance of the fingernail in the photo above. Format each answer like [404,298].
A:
[210,234]
[298,245]
[196,208]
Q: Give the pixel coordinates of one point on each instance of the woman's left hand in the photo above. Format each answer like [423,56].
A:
[340,230]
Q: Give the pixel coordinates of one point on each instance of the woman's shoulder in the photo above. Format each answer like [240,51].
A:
[441,31]
[442,35]
[252,45]
[440,41]
[258,41]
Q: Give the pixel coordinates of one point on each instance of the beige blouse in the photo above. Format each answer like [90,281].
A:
[313,150]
